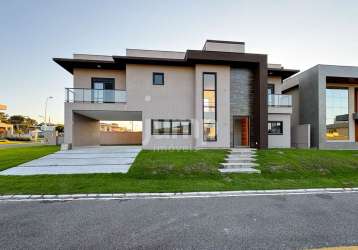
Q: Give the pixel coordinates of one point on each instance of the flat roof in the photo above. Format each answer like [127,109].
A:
[191,58]
[223,41]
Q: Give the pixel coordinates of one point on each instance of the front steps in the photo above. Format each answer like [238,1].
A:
[240,160]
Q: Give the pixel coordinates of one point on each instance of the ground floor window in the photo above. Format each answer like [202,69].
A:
[275,128]
[337,118]
[171,127]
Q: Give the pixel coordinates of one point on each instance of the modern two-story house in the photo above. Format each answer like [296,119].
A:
[216,97]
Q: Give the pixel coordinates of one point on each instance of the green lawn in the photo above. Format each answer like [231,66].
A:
[183,171]
[10,157]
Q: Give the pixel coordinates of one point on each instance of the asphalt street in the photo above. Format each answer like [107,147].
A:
[259,222]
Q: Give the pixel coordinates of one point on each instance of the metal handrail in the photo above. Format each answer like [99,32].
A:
[87,95]
[277,100]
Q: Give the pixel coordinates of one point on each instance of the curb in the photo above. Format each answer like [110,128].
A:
[132,196]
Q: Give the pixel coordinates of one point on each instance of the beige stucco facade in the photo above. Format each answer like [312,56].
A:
[223,105]
[136,98]
[82,77]
[179,98]
[276,80]
[122,138]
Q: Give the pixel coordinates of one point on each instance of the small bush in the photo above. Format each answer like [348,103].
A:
[18,138]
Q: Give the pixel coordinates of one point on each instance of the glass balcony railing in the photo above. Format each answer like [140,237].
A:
[279,100]
[96,95]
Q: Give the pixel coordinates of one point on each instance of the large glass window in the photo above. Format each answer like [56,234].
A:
[337,125]
[171,127]
[209,107]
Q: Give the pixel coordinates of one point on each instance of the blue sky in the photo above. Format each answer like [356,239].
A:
[297,34]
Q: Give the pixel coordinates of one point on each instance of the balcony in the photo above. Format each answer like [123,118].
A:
[274,100]
[82,95]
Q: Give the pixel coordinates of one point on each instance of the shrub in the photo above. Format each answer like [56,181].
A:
[18,138]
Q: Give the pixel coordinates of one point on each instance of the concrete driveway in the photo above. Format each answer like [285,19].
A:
[82,160]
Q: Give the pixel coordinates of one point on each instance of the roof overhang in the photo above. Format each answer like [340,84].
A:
[342,80]
[219,57]
[70,64]
[192,57]
[283,73]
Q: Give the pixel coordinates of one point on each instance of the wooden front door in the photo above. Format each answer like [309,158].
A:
[241,135]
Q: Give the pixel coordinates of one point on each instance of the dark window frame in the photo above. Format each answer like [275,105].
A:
[171,126]
[275,122]
[215,106]
[158,74]
[105,80]
[108,84]
[271,86]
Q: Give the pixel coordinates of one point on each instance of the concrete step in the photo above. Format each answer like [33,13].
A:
[238,165]
[242,152]
[245,155]
[240,170]
[241,157]
[238,156]
[243,149]
[240,160]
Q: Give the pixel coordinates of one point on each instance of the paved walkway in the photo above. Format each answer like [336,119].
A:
[82,160]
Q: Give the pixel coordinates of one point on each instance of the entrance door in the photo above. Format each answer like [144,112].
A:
[241,128]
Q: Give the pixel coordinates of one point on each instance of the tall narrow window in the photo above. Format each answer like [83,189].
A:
[270,89]
[209,107]
[337,114]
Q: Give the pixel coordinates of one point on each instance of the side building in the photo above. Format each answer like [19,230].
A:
[325,97]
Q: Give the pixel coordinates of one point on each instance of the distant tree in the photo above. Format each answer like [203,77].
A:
[22,124]
[60,128]
[28,122]
[17,119]
[4,117]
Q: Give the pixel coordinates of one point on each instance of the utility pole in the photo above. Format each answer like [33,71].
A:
[49,97]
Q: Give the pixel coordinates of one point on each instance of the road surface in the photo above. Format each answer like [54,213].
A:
[259,222]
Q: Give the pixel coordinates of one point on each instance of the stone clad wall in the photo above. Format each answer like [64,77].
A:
[241,97]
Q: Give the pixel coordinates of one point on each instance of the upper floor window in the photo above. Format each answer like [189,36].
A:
[102,90]
[158,78]
[270,89]
[102,83]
